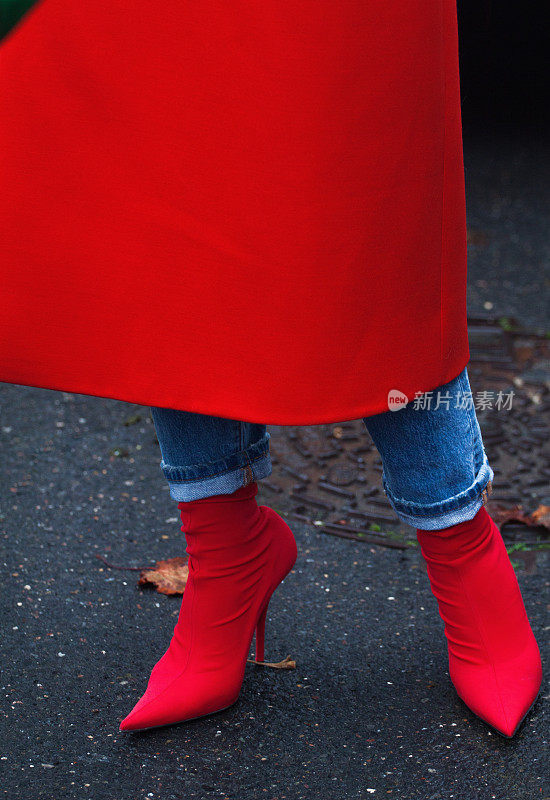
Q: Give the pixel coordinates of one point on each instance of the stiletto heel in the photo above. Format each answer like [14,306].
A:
[260,634]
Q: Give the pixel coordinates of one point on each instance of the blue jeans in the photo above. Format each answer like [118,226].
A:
[435,469]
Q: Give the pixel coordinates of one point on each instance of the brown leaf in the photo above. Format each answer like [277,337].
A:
[541,516]
[168,577]
[286,663]
[501,515]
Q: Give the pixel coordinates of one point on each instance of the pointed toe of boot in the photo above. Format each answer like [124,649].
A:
[516,707]
[140,716]
[146,717]
[129,723]
[171,707]
[504,712]
[503,695]
[151,713]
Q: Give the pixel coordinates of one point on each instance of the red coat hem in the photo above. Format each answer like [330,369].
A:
[251,414]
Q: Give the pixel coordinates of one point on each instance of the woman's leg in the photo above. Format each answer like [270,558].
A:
[238,553]
[204,455]
[437,478]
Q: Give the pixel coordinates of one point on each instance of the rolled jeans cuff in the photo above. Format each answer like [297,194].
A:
[459,508]
[224,476]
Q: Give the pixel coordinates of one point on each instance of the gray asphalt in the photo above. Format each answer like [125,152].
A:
[369,706]
[508,210]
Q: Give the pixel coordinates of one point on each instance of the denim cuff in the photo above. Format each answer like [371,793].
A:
[460,508]
[219,477]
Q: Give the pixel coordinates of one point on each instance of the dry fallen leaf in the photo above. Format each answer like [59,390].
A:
[168,577]
[542,516]
[286,663]
[539,518]
[502,515]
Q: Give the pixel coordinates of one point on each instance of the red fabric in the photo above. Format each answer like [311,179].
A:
[233,208]
[494,660]
[238,553]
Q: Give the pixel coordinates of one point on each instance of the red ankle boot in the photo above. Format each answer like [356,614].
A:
[494,660]
[238,553]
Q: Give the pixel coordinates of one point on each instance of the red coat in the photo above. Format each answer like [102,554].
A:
[248,209]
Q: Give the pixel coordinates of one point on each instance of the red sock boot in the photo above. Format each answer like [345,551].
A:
[238,553]
[494,660]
